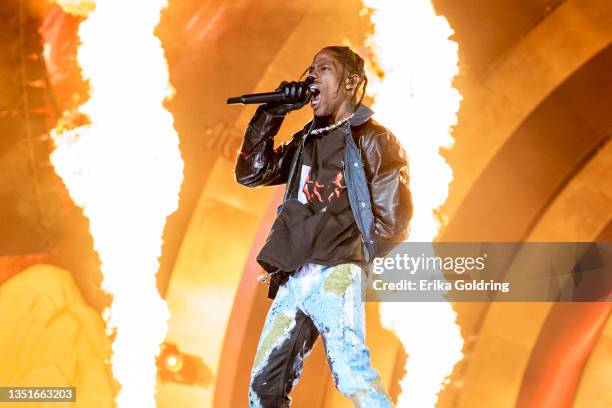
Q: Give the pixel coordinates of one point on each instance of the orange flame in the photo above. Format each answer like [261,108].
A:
[416,100]
[124,168]
[80,8]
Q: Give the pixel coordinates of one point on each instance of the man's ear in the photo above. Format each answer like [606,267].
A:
[351,81]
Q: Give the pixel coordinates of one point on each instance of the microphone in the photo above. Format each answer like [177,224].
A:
[266,97]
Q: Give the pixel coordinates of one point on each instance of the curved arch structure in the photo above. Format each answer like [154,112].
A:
[571,331]
[532,353]
[520,81]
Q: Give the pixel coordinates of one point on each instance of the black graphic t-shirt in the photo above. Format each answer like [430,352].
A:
[319,226]
[322,179]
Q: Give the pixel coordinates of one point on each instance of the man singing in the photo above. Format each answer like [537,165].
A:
[347,201]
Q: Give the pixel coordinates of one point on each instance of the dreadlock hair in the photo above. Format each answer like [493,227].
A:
[352,64]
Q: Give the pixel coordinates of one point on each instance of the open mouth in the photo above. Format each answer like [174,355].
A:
[316,96]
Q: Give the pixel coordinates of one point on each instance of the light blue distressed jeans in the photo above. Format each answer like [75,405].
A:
[316,299]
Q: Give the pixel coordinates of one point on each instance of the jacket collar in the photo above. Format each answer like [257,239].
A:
[362,114]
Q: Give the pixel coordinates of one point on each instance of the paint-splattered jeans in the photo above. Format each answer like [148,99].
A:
[316,299]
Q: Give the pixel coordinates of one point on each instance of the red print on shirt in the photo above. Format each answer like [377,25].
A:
[323,192]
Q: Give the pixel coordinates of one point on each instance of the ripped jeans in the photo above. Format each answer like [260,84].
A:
[316,299]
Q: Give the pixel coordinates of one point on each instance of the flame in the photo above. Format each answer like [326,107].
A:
[120,160]
[80,8]
[415,98]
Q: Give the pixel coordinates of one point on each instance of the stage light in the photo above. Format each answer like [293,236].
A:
[172,360]
[181,368]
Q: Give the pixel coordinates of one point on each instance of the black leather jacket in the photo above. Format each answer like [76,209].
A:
[375,171]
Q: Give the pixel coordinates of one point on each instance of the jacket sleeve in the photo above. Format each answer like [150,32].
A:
[258,163]
[386,166]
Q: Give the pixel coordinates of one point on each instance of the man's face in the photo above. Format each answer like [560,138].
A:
[326,71]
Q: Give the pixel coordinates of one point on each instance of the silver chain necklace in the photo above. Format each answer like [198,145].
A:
[332,127]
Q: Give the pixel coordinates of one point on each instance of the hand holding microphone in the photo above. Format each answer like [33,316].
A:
[297,94]
[288,96]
